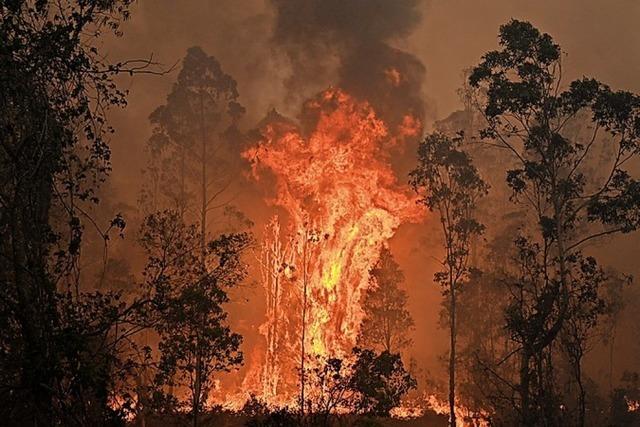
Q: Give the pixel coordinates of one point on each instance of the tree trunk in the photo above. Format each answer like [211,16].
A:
[582,397]
[183,192]
[612,341]
[304,320]
[525,376]
[452,356]
[197,389]
[203,209]
[25,251]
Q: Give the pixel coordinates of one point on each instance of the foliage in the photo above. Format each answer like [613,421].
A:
[387,321]
[331,385]
[380,380]
[528,113]
[278,418]
[194,143]
[534,117]
[59,355]
[189,294]
[449,184]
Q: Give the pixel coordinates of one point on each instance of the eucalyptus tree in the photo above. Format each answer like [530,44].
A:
[449,185]
[192,142]
[195,341]
[531,113]
[387,322]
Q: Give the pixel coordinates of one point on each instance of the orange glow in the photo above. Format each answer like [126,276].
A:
[393,76]
[342,203]
[464,416]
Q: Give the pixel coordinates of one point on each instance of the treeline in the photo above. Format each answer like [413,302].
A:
[95,343]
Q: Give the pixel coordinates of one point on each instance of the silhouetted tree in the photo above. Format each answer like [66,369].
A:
[387,321]
[615,305]
[194,143]
[380,380]
[330,381]
[55,88]
[529,113]
[585,307]
[195,341]
[449,185]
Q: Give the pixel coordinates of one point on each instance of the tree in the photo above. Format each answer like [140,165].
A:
[531,294]
[193,140]
[195,341]
[585,308]
[55,90]
[380,381]
[387,322]
[615,305]
[530,114]
[332,390]
[450,185]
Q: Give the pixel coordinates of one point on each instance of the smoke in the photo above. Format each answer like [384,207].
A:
[350,44]
[282,52]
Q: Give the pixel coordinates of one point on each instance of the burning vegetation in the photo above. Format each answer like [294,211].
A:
[267,281]
[343,203]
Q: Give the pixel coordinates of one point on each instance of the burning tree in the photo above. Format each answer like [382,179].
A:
[333,177]
[387,321]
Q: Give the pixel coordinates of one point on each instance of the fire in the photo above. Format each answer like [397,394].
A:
[632,405]
[464,416]
[342,202]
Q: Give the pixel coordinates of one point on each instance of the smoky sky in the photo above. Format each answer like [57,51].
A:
[282,52]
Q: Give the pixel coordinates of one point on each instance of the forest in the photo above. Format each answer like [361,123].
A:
[319,213]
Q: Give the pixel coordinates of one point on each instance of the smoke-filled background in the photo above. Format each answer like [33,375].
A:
[283,52]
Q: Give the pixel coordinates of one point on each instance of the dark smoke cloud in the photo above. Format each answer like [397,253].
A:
[349,44]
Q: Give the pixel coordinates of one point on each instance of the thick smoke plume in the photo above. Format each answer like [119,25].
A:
[349,44]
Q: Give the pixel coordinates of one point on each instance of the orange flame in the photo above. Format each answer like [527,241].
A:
[343,202]
[464,416]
